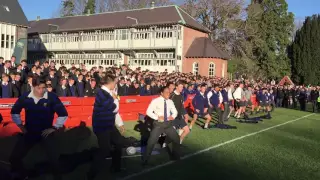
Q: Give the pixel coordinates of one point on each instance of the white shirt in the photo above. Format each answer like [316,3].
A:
[230,96]
[156,108]
[238,93]
[115,101]
[118,121]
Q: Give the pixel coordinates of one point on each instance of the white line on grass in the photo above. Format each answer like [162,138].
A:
[210,148]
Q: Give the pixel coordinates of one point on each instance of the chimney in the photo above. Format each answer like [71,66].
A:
[152,4]
[38,18]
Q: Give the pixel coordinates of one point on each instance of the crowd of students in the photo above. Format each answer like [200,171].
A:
[78,81]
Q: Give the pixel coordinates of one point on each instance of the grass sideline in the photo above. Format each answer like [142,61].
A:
[285,152]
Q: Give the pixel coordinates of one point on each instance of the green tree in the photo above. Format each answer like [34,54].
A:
[273,26]
[67,8]
[304,52]
[90,6]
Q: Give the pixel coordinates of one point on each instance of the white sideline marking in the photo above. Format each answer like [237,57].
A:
[210,148]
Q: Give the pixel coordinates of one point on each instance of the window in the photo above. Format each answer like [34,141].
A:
[2,40]
[12,41]
[124,34]
[7,41]
[223,67]
[212,70]
[195,68]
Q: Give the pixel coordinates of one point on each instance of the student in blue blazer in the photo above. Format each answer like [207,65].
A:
[200,104]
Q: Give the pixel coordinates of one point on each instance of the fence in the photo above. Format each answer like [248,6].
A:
[80,109]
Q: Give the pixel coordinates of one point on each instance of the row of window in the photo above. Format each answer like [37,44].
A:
[150,62]
[152,55]
[121,35]
[87,56]
[5,40]
[102,62]
[212,69]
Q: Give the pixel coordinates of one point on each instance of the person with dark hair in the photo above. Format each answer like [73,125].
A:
[91,89]
[49,88]
[5,69]
[40,107]
[16,84]
[181,121]
[215,99]
[63,89]
[73,90]
[1,61]
[201,105]
[6,87]
[163,112]
[80,85]
[122,88]
[105,108]
[134,89]
[27,86]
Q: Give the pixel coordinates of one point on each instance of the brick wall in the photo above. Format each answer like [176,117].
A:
[188,36]
[204,66]
[187,63]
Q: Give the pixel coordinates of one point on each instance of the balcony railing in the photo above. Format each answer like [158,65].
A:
[106,41]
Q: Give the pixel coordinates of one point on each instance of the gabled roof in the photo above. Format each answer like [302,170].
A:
[203,47]
[11,13]
[116,20]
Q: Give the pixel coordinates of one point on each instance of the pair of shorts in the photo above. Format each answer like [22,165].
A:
[264,104]
[240,104]
[201,115]
[179,123]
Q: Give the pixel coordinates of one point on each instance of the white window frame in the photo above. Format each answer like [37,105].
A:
[195,68]
[212,70]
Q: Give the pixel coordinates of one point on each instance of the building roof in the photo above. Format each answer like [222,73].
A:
[203,47]
[116,20]
[11,13]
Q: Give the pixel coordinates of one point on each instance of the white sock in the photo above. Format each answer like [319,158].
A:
[181,141]
[206,125]
[190,127]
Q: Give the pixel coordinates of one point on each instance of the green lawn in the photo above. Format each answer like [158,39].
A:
[288,151]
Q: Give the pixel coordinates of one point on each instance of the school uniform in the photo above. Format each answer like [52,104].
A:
[80,88]
[26,88]
[103,125]
[91,92]
[200,102]
[225,101]
[165,108]
[39,117]
[72,91]
[6,90]
[215,100]
[62,91]
[122,90]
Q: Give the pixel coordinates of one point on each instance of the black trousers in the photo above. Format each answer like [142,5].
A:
[157,129]
[220,115]
[314,106]
[107,140]
[27,142]
[302,105]
[226,111]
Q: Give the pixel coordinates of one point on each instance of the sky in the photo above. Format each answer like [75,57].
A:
[49,8]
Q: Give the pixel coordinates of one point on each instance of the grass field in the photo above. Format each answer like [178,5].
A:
[285,147]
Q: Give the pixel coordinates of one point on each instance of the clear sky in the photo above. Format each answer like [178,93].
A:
[49,8]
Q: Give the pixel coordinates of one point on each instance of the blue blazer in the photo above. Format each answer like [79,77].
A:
[200,102]
[214,99]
